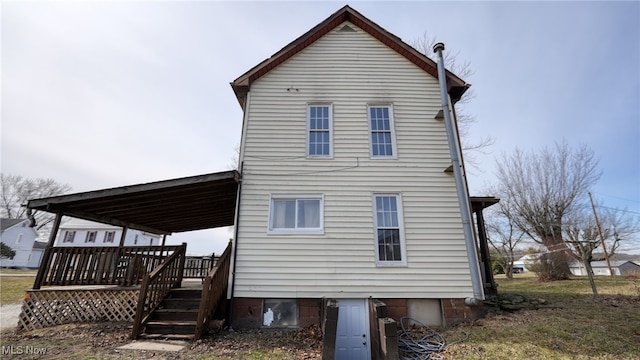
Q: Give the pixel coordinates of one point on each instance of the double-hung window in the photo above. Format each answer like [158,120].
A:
[108,236]
[382,133]
[91,237]
[296,214]
[68,236]
[319,134]
[388,230]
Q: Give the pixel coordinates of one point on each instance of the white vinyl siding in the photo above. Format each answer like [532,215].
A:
[351,71]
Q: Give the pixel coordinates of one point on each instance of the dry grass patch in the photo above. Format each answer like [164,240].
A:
[13,288]
[579,327]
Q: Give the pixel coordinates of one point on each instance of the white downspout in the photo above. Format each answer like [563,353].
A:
[461,184]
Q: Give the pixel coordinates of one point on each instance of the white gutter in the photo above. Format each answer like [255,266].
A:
[461,183]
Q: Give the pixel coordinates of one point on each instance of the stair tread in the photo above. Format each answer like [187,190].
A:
[178,310]
[167,336]
[172,322]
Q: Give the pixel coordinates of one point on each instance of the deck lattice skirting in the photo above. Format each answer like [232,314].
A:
[44,308]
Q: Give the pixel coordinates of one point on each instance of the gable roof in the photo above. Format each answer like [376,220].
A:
[241,85]
[163,207]
[7,223]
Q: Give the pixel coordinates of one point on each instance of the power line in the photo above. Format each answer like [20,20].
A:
[616,209]
[615,197]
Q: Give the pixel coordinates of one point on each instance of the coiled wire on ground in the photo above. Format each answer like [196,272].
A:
[428,346]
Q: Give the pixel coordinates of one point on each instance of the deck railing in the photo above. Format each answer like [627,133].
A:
[124,266]
[214,290]
[198,267]
[156,286]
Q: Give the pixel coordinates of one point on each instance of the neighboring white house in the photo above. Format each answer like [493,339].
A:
[522,264]
[77,232]
[346,192]
[20,237]
[36,254]
[620,267]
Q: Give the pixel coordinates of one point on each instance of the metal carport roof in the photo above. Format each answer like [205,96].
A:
[163,207]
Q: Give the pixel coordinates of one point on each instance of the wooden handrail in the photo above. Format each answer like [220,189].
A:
[214,289]
[104,265]
[156,286]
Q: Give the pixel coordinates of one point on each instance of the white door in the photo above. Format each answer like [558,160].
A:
[352,335]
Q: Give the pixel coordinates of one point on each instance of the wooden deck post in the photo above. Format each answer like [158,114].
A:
[46,257]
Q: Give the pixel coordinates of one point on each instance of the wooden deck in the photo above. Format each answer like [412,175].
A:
[81,285]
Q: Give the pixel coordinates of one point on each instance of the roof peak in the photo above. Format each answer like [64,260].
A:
[241,85]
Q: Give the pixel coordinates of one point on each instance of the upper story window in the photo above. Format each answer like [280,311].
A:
[319,135]
[91,237]
[382,134]
[296,214]
[109,236]
[68,236]
[388,228]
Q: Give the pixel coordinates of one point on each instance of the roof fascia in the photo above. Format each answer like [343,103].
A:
[46,203]
[456,86]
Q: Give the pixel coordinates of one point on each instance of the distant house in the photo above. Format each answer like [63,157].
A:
[521,265]
[77,232]
[17,234]
[36,254]
[624,267]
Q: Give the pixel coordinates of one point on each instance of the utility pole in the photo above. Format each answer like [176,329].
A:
[604,248]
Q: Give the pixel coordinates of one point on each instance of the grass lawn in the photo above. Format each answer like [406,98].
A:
[576,326]
[12,288]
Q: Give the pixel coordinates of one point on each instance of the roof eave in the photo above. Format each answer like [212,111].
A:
[456,86]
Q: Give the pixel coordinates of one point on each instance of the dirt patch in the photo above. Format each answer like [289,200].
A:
[101,340]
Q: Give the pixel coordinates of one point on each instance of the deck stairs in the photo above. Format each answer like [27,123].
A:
[176,317]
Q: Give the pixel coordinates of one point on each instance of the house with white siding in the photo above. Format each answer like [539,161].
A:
[347,191]
[350,187]
[78,232]
[20,237]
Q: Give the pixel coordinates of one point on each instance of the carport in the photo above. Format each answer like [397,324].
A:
[150,272]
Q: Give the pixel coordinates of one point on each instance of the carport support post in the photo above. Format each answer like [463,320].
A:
[44,263]
[119,254]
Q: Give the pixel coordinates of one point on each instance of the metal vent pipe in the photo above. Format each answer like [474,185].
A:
[461,183]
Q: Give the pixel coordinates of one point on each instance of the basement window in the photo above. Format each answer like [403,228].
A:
[280,313]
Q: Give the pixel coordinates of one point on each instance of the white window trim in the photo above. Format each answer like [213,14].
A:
[296,231]
[392,128]
[403,251]
[330,156]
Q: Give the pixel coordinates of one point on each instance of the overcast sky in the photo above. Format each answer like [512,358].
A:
[99,95]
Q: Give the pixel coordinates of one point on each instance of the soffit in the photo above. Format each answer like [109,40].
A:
[163,207]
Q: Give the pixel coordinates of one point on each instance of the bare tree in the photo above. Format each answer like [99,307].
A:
[546,188]
[582,235]
[15,191]
[503,235]
[465,120]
